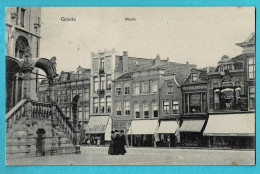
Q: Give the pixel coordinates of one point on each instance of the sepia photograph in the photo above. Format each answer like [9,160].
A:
[130,86]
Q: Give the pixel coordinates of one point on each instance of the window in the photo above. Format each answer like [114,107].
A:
[63,110]
[146,110]
[95,83]
[74,92]
[118,108]
[137,88]
[127,108]
[21,45]
[137,110]
[155,109]
[196,102]
[17,12]
[22,17]
[154,86]
[86,112]
[145,87]
[102,82]
[95,108]
[80,93]
[80,113]
[79,74]
[95,66]
[68,95]
[102,64]
[194,77]
[109,82]
[118,89]
[238,65]
[102,105]
[64,77]
[175,107]
[108,104]
[68,113]
[251,97]
[251,68]
[127,89]
[86,94]
[170,88]
[166,107]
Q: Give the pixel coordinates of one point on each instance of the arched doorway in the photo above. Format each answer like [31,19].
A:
[40,149]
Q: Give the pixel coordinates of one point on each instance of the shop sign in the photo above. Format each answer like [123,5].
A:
[194,87]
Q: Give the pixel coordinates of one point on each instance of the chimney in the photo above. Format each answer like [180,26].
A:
[187,63]
[125,61]
[167,59]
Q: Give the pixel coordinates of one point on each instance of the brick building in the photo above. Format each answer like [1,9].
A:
[149,97]
[107,66]
[67,85]
[231,93]
[219,103]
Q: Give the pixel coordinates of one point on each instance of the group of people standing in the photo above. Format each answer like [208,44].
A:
[117,143]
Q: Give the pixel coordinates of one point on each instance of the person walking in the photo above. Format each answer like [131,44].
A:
[98,141]
[111,150]
[122,144]
[117,143]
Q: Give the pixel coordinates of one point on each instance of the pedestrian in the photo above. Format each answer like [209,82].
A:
[117,143]
[111,150]
[98,141]
[122,144]
[88,141]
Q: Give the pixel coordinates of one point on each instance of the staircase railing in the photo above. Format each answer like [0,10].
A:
[15,114]
[66,125]
[39,110]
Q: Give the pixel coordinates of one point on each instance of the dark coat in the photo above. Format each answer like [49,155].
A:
[111,150]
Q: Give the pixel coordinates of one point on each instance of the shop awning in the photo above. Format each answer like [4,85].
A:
[231,125]
[143,127]
[192,126]
[97,124]
[167,127]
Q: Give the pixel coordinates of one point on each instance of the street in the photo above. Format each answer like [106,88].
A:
[144,156]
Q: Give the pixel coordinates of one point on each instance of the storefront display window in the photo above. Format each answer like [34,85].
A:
[252,97]
[195,103]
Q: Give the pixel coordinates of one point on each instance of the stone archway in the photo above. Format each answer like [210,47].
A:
[40,144]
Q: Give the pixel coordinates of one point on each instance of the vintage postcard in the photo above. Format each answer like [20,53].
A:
[130,85]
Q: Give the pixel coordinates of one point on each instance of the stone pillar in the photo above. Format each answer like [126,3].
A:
[51,90]
[27,82]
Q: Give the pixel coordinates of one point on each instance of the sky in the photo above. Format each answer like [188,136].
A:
[200,35]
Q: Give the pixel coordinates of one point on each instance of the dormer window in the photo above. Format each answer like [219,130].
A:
[102,64]
[194,77]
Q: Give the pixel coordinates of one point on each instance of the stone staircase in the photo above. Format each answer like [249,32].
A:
[38,129]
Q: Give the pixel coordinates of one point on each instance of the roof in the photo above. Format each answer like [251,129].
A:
[249,40]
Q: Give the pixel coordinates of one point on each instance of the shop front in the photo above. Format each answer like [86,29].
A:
[191,133]
[98,128]
[231,130]
[141,133]
[165,136]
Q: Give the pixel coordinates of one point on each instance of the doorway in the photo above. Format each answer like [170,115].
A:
[40,142]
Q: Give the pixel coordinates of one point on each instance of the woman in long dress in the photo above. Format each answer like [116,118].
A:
[111,150]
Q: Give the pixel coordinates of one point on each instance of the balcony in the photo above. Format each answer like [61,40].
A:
[101,71]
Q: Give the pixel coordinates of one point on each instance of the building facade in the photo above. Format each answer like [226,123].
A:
[149,97]
[232,99]
[67,86]
[219,103]
[22,38]
[107,66]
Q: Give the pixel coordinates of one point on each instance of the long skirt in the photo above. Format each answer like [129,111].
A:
[111,150]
